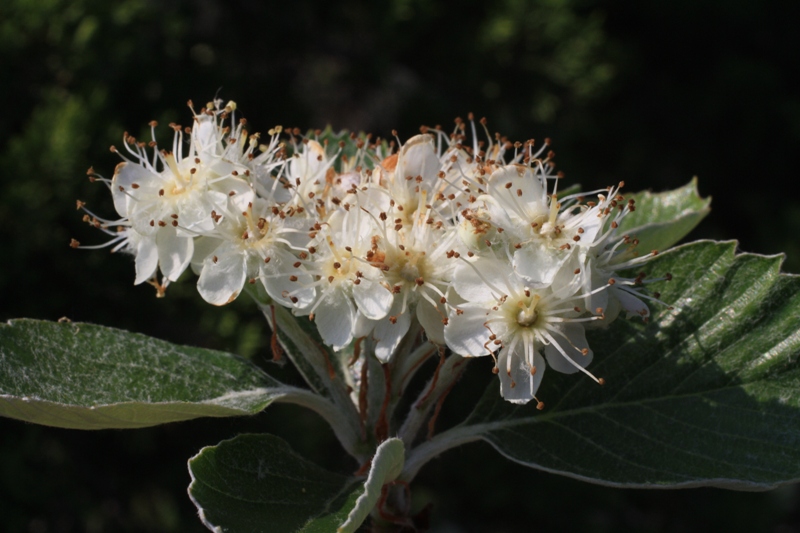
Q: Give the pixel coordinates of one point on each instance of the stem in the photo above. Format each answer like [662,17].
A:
[330,413]
[441,443]
[447,375]
[445,440]
[330,398]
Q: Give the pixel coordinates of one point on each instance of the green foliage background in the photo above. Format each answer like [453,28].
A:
[646,92]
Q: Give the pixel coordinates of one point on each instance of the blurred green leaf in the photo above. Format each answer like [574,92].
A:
[84,376]
[706,394]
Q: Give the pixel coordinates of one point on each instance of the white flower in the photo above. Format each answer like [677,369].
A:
[248,246]
[345,282]
[502,312]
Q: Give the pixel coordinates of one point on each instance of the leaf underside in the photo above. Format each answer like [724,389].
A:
[706,394]
[663,219]
[84,376]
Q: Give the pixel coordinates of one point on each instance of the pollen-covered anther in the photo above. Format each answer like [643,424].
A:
[74,243]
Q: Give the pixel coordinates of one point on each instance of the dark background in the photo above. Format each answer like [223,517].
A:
[651,93]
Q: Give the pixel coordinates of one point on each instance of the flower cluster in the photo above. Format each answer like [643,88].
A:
[469,238]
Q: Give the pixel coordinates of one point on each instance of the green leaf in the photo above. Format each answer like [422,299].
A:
[386,466]
[662,219]
[257,483]
[705,394]
[85,376]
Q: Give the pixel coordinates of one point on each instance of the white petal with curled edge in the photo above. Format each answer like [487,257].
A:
[388,335]
[146,259]
[418,158]
[174,252]
[372,298]
[572,346]
[466,334]
[431,318]
[469,280]
[524,385]
[335,318]
[222,280]
[539,264]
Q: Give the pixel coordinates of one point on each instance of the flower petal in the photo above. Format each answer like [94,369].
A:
[174,252]
[470,279]
[539,264]
[431,318]
[222,280]
[335,318]
[573,345]
[389,331]
[465,333]
[146,259]
[372,299]
[517,385]
[275,276]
